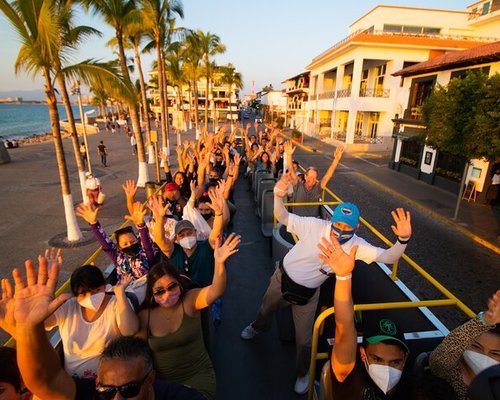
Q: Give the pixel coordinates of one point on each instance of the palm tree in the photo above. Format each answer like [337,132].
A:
[234,80]
[157,15]
[193,57]
[38,26]
[210,45]
[175,71]
[118,13]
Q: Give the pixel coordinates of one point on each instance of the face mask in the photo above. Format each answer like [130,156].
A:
[93,302]
[383,376]
[342,236]
[213,181]
[170,300]
[478,362]
[188,242]
[132,250]
[206,216]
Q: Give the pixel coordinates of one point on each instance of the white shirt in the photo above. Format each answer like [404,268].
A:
[495,180]
[302,262]
[133,142]
[84,341]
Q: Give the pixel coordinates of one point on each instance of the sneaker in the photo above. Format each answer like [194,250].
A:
[302,384]
[249,332]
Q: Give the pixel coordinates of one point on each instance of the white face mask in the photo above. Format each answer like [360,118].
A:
[478,362]
[384,377]
[188,242]
[93,302]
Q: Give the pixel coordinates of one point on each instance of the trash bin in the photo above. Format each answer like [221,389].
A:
[150,189]
[4,154]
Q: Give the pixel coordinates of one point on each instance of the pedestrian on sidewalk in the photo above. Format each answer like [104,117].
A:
[83,153]
[103,153]
[133,143]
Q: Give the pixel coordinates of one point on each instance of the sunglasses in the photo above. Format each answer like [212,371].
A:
[169,288]
[108,392]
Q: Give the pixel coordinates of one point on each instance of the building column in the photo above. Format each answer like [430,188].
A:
[355,85]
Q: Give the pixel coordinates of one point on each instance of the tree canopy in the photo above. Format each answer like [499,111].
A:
[463,118]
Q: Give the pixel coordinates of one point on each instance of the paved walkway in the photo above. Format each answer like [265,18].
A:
[479,222]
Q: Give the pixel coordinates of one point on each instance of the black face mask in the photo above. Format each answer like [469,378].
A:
[207,216]
[132,250]
[213,181]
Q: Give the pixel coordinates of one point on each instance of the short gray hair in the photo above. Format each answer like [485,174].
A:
[128,348]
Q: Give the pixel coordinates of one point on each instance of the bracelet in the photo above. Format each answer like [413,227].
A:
[404,241]
[141,226]
[480,317]
[218,215]
[343,278]
[230,176]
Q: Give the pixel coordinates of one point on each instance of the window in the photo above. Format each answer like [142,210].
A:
[393,28]
[364,81]
[432,31]
[379,77]
[486,8]
[373,124]
[421,88]
[358,130]
[463,72]
[412,29]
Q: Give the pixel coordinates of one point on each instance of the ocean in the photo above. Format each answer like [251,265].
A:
[23,120]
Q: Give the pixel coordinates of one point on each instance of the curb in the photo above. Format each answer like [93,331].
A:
[439,217]
[302,146]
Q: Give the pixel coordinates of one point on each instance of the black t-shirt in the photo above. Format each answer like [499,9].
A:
[359,386]
[85,389]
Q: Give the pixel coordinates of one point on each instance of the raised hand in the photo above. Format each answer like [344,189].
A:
[179,150]
[223,251]
[156,206]
[163,156]
[130,188]
[123,283]
[403,223]
[53,256]
[137,213]
[492,316]
[289,147]
[281,187]
[337,155]
[7,321]
[86,212]
[339,261]
[217,199]
[34,298]
[237,159]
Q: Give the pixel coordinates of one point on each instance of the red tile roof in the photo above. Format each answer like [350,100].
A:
[477,55]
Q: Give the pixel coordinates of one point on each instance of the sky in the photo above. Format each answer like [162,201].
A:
[266,40]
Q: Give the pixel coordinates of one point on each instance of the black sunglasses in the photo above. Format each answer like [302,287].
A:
[131,389]
[169,288]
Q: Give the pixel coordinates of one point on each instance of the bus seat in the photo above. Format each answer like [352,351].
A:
[267,213]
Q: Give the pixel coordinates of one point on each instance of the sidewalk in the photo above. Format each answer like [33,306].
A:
[479,222]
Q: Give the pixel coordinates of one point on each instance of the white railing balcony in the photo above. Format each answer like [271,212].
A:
[372,92]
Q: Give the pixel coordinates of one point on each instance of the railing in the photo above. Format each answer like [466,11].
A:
[299,87]
[450,300]
[326,95]
[413,113]
[344,92]
[423,35]
[374,92]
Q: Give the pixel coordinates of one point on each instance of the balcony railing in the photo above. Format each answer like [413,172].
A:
[344,92]
[424,35]
[326,95]
[297,87]
[371,92]
[413,113]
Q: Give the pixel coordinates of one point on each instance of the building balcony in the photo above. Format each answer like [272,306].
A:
[371,92]
[326,95]
[358,139]
[344,93]
[296,89]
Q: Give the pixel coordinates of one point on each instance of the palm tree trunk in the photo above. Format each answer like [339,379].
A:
[230,108]
[190,111]
[195,86]
[206,96]
[161,89]
[144,105]
[165,88]
[143,176]
[74,134]
[72,228]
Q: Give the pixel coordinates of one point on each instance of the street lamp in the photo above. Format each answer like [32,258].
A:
[75,89]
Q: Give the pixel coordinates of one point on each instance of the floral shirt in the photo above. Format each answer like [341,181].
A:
[137,265]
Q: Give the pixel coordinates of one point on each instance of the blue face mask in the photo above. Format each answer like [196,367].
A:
[342,236]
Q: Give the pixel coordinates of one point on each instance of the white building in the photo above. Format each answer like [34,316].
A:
[352,92]
[297,92]
[274,103]
[410,155]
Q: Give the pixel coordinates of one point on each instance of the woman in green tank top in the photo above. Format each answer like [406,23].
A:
[171,323]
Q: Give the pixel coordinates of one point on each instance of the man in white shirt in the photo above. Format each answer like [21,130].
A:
[297,280]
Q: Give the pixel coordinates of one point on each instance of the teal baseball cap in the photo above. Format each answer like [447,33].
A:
[347,213]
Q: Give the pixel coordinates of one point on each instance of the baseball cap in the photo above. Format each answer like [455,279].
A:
[182,225]
[347,213]
[383,330]
[170,187]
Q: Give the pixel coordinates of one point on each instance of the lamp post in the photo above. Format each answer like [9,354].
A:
[75,89]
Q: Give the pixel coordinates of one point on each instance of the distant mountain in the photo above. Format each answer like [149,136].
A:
[37,95]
